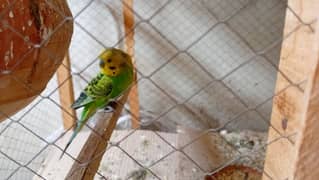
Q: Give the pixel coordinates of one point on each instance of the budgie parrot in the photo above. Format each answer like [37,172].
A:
[114,78]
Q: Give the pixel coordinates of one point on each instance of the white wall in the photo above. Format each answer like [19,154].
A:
[183,48]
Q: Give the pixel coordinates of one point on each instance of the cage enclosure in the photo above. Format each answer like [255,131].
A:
[223,89]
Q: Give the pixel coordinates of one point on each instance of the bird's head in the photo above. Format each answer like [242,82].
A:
[113,61]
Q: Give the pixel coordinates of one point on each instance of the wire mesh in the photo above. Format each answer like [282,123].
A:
[208,65]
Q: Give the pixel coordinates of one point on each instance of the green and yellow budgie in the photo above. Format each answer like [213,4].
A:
[114,78]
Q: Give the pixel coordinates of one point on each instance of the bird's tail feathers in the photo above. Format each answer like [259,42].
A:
[86,114]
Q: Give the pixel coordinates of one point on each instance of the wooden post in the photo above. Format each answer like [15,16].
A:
[129,42]
[307,162]
[66,92]
[285,159]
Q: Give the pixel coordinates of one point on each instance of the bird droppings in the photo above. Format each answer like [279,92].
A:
[37,46]
[11,50]
[142,137]
[250,143]
[29,23]
[116,177]
[46,33]
[223,132]
[179,131]
[120,164]
[194,170]
[11,15]
[5,72]
[7,58]
[27,38]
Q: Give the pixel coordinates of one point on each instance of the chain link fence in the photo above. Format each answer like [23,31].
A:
[209,65]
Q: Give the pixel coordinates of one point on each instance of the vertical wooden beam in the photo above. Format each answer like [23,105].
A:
[307,162]
[129,42]
[66,92]
[298,55]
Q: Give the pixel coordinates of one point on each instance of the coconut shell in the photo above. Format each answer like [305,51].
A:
[35,35]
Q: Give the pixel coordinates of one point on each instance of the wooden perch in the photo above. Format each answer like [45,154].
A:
[93,150]
[66,93]
[299,54]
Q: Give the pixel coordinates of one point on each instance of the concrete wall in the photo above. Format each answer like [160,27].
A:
[187,54]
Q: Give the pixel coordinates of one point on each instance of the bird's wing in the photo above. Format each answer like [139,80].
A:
[98,87]
[82,100]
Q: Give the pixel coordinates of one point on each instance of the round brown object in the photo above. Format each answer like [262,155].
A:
[35,35]
[237,172]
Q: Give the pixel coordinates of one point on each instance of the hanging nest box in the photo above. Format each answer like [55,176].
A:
[35,35]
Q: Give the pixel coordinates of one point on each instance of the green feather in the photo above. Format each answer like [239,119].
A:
[87,112]
[98,93]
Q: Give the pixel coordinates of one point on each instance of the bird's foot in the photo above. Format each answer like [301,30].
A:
[110,107]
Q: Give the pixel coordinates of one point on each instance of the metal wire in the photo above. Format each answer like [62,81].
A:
[181,42]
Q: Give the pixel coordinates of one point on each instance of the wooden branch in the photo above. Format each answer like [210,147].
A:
[66,92]
[93,150]
[129,31]
[297,58]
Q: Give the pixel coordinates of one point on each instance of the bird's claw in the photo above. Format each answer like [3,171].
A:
[110,107]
